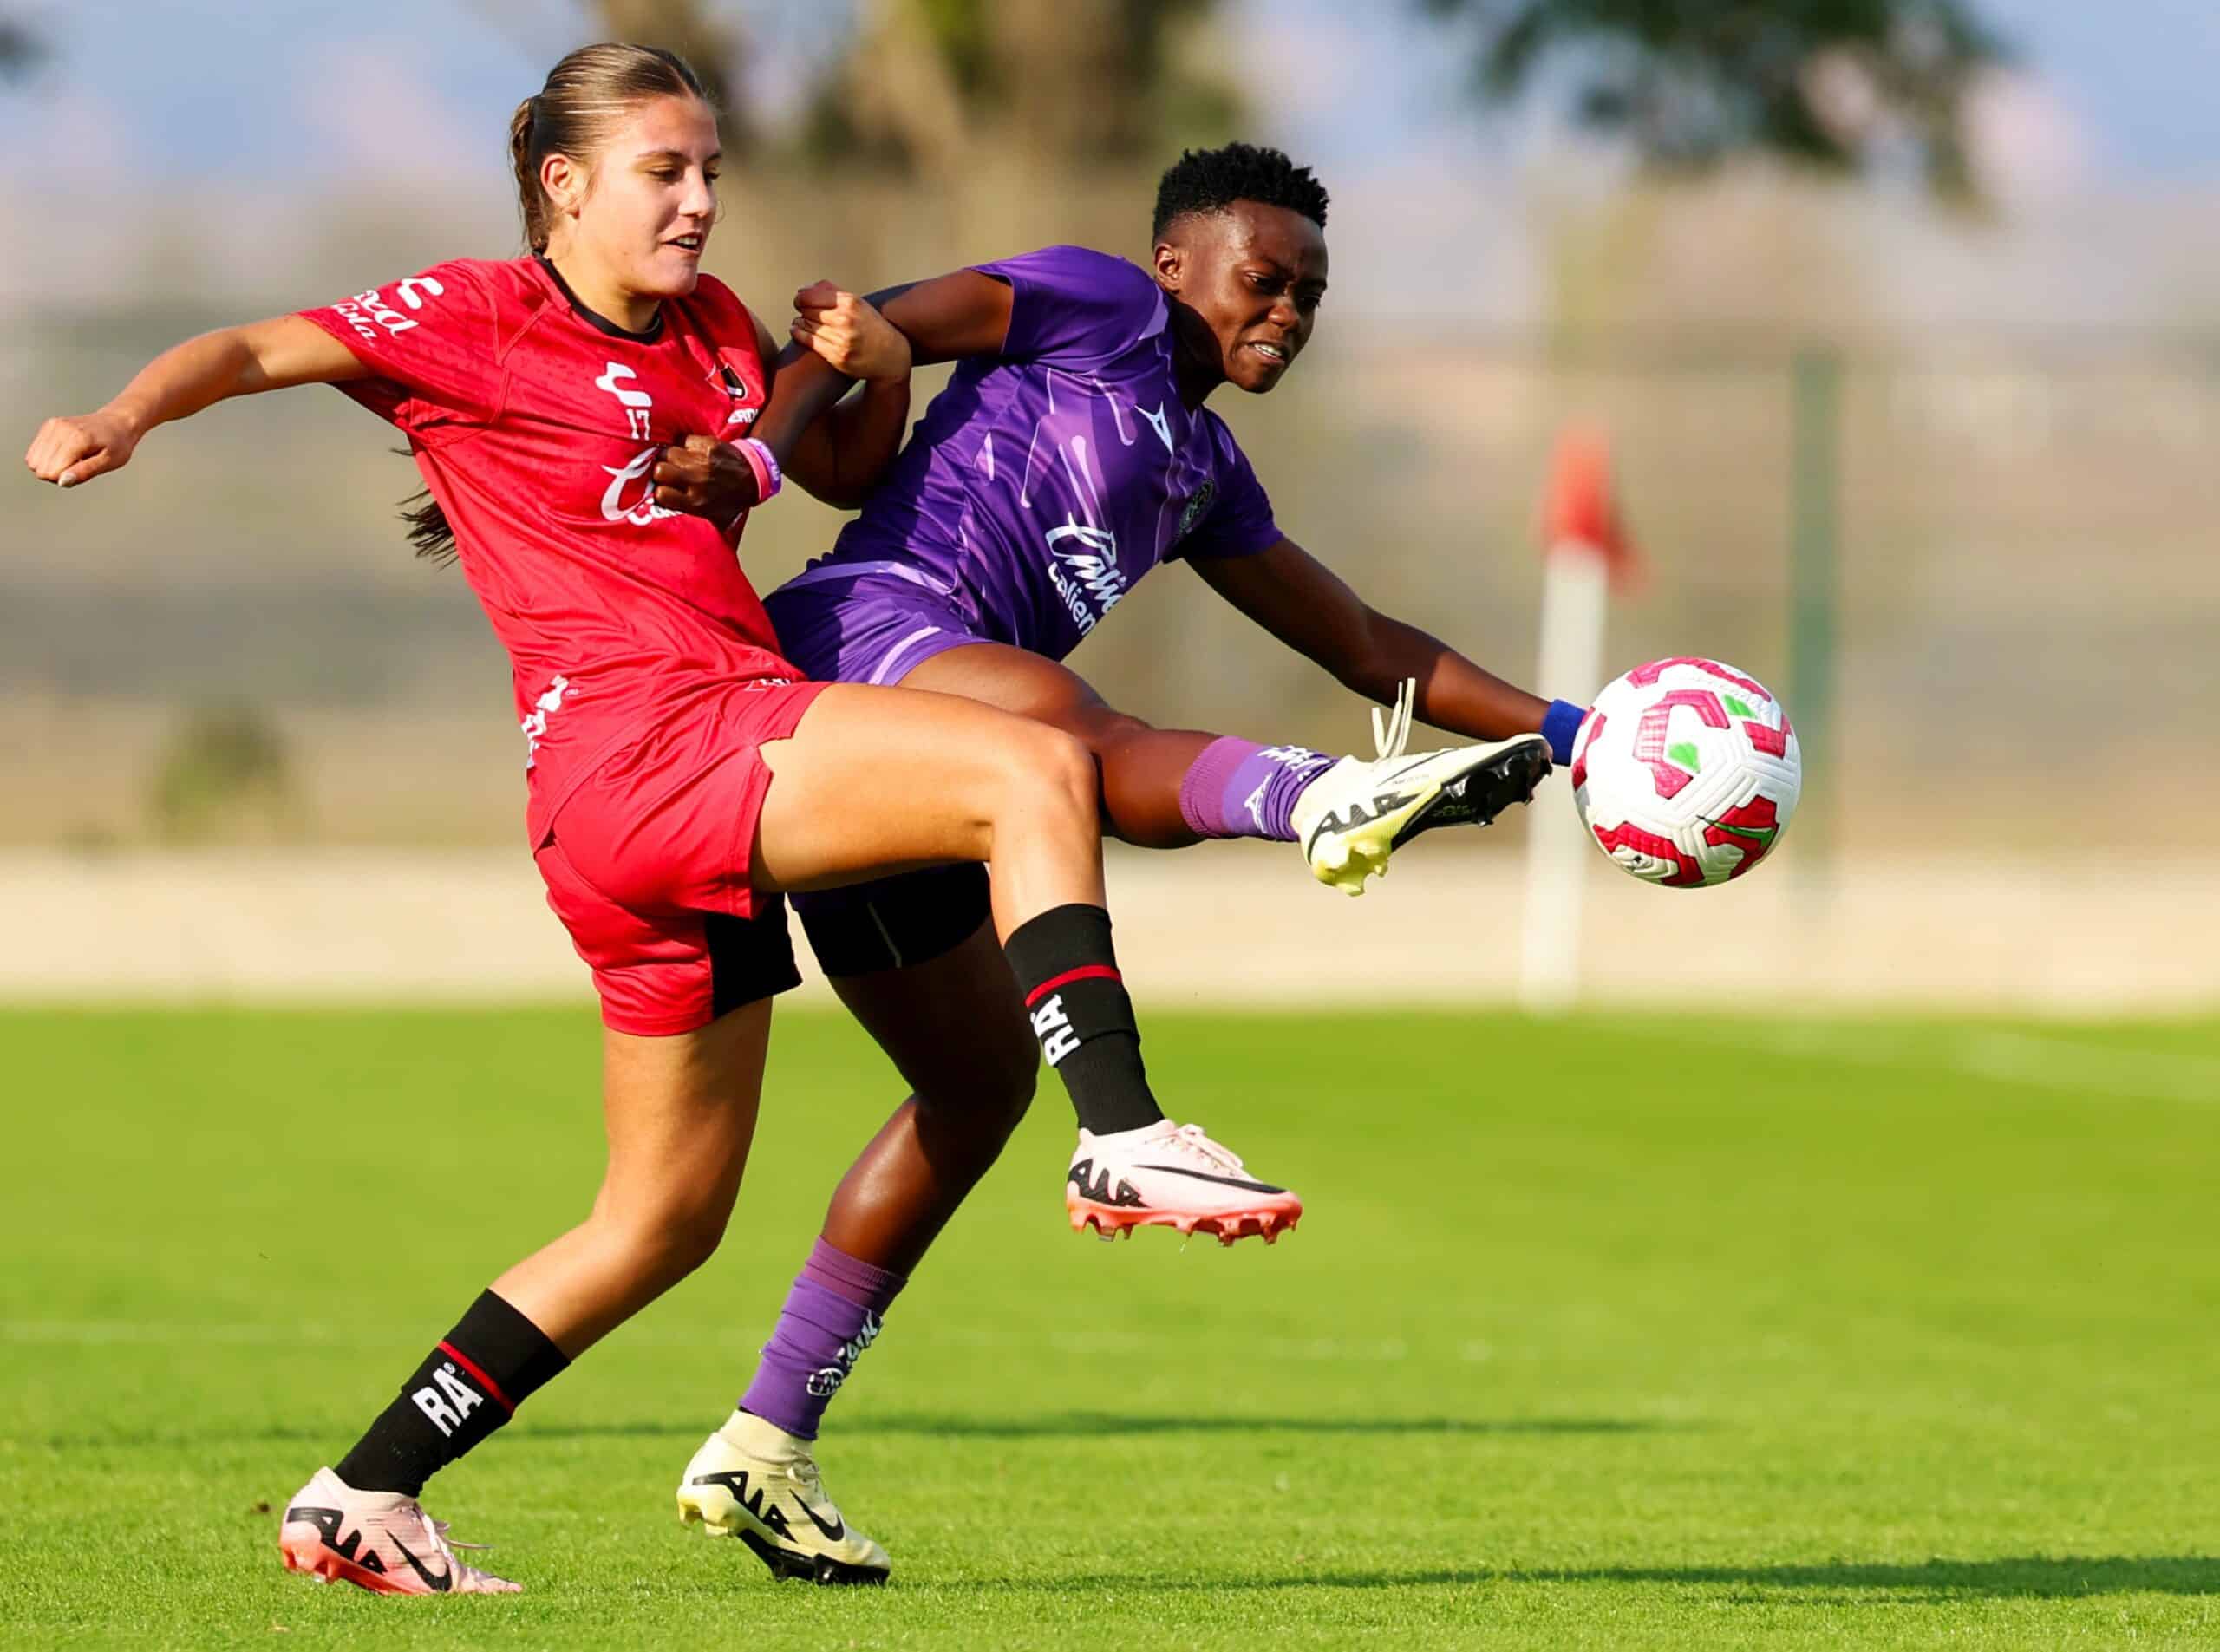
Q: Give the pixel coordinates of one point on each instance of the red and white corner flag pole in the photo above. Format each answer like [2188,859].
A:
[1585,552]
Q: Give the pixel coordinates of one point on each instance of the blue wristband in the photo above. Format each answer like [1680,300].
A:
[1561,727]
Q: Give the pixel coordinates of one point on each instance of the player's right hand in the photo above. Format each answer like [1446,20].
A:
[74,450]
[849,333]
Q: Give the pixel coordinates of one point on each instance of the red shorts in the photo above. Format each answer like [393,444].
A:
[647,864]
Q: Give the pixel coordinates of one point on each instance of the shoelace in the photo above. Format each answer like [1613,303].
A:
[1394,733]
[442,1543]
[1192,1138]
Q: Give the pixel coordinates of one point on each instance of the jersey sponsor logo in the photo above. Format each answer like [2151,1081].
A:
[1054,1029]
[622,502]
[368,314]
[1083,567]
[447,1400]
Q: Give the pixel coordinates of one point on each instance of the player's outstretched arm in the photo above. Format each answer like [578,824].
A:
[1312,609]
[233,361]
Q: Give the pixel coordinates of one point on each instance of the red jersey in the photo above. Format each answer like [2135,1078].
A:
[536,425]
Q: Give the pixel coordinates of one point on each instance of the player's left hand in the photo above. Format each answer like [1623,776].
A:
[704,477]
[848,333]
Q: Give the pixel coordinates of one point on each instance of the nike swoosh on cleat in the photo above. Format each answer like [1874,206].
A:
[1416,763]
[1222,1181]
[441,1581]
[834,1532]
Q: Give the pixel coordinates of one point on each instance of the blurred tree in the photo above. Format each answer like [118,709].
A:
[716,50]
[20,49]
[1069,81]
[224,773]
[1839,84]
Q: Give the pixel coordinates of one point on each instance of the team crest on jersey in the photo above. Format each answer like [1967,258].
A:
[728,377]
[1198,506]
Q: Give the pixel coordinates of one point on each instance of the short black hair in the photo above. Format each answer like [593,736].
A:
[1209,181]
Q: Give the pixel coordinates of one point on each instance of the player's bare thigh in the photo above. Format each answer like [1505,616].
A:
[1141,766]
[878,780]
[1010,678]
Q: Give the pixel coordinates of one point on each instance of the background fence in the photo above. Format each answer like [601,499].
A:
[1980,568]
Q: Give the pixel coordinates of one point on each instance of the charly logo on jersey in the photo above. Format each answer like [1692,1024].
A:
[1083,567]
[368,313]
[629,496]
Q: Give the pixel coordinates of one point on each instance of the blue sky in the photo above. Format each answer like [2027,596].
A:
[2113,94]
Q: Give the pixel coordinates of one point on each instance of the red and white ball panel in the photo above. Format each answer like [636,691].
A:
[1686,772]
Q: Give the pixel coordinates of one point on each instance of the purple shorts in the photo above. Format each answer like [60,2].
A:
[860,623]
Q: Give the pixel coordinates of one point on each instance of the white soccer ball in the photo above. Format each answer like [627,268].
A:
[1686,772]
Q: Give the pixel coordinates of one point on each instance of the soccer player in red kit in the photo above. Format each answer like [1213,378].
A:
[570,412]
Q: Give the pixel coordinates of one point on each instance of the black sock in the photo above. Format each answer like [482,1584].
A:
[467,1386]
[1081,1014]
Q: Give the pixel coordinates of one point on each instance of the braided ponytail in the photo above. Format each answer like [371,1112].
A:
[531,201]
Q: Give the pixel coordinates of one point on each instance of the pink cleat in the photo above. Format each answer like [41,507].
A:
[1168,1175]
[379,1541]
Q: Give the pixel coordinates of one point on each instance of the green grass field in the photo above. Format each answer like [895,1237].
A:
[1663,1332]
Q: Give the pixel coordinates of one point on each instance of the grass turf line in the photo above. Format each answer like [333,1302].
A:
[1607,1332]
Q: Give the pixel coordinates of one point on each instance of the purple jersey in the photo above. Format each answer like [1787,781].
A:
[1040,486]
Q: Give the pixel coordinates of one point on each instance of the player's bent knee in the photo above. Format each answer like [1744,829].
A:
[673,1239]
[1056,772]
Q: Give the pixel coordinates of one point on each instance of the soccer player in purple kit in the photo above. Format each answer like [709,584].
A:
[1070,454]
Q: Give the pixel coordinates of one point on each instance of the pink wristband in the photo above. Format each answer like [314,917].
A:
[765,464]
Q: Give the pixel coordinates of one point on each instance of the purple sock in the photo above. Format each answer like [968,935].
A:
[1239,789]
[831,1315]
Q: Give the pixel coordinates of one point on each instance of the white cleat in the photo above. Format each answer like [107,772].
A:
[379,1541]
[1172,1175]
[754,1481]
[1357,813]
